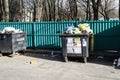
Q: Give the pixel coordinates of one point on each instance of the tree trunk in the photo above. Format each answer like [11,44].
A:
[87,12]
[73,9]
[21,10]
[95,13]
[37,10]
[1,10]
[51,9]
[106,16]
[95,6]
[44,11]
[6,6]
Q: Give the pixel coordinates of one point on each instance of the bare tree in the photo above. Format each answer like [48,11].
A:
[44,11]
[51,9]
[73,9]
[5,10]
[21,10]
[1,10]
[85,5]
[16,10]
[95,6]
[63,10]
[58,10]
[88,12]
[37,10]
[107,8]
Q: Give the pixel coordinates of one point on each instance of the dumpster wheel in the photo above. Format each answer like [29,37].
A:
[12,54]
[22,52]
[1,54]
[66,59]
[85,59]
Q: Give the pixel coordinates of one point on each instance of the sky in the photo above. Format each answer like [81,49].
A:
[116,2]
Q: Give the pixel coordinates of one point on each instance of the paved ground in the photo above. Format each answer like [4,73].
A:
[49,67]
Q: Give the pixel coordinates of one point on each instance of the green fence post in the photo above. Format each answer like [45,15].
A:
[33,35]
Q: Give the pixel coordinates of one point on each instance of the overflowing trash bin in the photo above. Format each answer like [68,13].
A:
[12,41]
[75,41]
[70,48]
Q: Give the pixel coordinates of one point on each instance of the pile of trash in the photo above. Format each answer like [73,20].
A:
[11,30]
[80,29]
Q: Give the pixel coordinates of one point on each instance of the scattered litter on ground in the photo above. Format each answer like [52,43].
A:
[31,62]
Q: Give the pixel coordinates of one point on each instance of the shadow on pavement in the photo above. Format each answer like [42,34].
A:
[104,57]
[45,54]
[101,57]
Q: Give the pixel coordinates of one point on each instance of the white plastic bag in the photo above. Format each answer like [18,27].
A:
[9,29]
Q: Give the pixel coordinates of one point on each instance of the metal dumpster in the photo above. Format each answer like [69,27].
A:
[69,48]
[12,42]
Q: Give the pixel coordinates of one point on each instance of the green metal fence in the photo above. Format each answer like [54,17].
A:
[45,34]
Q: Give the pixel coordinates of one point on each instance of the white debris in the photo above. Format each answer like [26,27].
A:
[11,30]
[8,29]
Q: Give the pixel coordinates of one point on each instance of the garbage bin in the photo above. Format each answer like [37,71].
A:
[75,49]
[12,42]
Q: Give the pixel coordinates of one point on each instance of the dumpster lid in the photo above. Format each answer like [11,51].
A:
[74,35]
